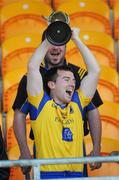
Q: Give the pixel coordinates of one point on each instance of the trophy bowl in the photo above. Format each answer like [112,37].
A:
[58,33]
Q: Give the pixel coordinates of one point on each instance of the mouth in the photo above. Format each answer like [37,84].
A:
[69,92]
[55,53]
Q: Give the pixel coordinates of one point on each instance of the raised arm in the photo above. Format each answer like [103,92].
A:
[34,78]
[89,82]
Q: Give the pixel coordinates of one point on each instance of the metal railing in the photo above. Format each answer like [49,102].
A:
[36,163]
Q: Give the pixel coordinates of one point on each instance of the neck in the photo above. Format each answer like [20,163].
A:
[51,65]
[57,101]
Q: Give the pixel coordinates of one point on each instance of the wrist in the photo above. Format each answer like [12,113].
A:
[76,39]
[24,149]
[96,150]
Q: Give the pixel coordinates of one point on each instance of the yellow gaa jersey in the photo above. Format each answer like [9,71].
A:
[58,130]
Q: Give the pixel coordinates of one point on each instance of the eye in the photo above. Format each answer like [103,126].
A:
[66,79]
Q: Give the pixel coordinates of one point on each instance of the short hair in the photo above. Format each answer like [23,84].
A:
[43,35]
[52,74]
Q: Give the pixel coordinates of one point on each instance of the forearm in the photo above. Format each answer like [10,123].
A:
[34,78]
[95,129]
[38,55]
[91,79]
[89,58]
[19,126]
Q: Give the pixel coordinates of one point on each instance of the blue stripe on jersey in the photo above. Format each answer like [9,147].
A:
[89,107]
[25,107]
[34,112]
[76,99]
[60,174]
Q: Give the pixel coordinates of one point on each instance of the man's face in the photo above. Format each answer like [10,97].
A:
[55,55]
[64,87]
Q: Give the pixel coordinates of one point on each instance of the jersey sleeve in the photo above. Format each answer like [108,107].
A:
[35,100]
[82,101]
[21,96]
[37,103]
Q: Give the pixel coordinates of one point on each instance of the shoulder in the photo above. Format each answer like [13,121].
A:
[73,67]
[23,80]
[81,71]
[24,77]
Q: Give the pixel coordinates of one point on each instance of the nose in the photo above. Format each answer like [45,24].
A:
[72,83]
[55,47]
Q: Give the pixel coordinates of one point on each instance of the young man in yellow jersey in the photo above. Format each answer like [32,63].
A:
[56,116]
[55,56]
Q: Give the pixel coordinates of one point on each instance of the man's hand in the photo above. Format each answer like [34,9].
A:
[26,169]
[75,33]
[95,165]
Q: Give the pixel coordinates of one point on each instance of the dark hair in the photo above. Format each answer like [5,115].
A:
[43,35]
[51,75]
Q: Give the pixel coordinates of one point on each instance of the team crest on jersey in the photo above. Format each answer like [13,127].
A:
[67,134]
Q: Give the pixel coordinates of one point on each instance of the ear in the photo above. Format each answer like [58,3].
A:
[51,84]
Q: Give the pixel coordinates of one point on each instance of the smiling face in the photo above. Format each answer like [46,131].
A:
[55,55]
[63,89]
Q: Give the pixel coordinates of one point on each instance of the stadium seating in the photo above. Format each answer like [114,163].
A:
[5,2]
[116,20]
[101,44]
[87,15]
[118,55]
[23,17]
[17,50]
[108,85]
[56,3]
[112,3]
[21,30]
[107,169]
[107,145]
[16,173]
[109,115]
[10,85]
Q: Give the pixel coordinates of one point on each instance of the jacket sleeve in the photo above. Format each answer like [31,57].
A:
[96,100]
[21,94]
